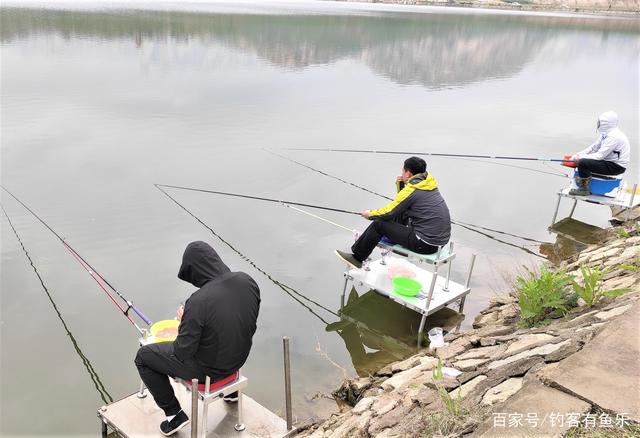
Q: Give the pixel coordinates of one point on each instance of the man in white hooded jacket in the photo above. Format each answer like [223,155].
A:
[609,155]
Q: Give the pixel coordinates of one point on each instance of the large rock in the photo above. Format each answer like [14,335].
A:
[533,401]
[616,311]
[503,391]
[363,405]
[469,364]
[465,389]
[607,370]
[538,351]
[483,352]
[389,420]
[449,351]
[383,405]
[483,320]
[405,364]
[528,341]
[496,330]
[352,426]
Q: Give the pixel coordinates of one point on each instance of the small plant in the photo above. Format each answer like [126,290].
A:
[592,291]
[452,405]
[455,419]
[632,266]
[541,295]
[622,233]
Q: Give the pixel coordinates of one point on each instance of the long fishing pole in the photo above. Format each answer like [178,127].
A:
[284,287]
[93,375]
[459,223]
[99,279]
[434,154]
[238,195]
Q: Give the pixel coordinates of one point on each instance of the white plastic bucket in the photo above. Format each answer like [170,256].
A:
[436,339]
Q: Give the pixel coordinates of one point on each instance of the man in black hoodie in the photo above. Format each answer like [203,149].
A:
[214,337]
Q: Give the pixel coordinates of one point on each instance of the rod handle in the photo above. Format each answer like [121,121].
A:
[141,315]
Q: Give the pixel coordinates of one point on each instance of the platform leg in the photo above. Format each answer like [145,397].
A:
[461,308]
[633,196]
[421,329]
[432,287]
[555,214]
[573,209]
[239,427]
[194,408]
[141,393]
[446,283]
[344,291]
[103,428]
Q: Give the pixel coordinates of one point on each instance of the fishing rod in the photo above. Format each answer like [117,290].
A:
[238,195]
[93,375]
[459,223]
[435,154]
[99,279]
[284,287]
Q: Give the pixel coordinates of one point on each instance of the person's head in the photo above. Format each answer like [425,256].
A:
[413,166]
[200,264]
[607,121]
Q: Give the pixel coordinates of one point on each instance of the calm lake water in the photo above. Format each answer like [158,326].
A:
[101,102]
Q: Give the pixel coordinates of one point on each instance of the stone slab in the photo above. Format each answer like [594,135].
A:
[607,370]
[528,341]
[534,400]
[538,351]
[503,391]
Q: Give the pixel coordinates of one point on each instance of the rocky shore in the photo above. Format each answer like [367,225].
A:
[574,375]
[624,7]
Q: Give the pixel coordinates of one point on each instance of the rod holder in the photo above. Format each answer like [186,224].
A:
[287,382]
[194,408]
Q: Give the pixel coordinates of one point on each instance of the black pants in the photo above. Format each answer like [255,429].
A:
[401,234]
[156,362]
[601,167]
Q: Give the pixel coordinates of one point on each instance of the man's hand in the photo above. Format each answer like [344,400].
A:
[399,179]
[365,214]
[180,312]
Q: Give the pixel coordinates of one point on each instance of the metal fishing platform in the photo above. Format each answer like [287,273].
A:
[138,415]
[626,201]
[135,417]
[438,290]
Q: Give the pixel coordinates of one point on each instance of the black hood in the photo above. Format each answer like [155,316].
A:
[201,264]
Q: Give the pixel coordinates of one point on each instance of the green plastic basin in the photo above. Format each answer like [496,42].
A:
[405,286]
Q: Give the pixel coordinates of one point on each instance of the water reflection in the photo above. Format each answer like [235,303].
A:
[377,331]
[572,236]
[432,50]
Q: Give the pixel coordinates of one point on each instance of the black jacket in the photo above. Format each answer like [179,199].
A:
[219,318]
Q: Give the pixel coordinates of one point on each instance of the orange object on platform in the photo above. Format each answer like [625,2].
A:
[569,162]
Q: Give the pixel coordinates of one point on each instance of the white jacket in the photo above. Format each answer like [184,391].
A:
[612,145]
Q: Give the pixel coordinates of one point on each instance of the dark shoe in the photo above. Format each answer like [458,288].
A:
[178,422]
[349,259]
[231,398]
[583,187]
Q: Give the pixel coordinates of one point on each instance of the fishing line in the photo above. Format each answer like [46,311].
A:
[238,195]
[93,375]
[469,157]
[320,218]
[509,165]
[285,288]
[102,282]
[459,223]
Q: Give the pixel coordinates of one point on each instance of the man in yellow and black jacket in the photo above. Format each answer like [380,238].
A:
[417,218]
